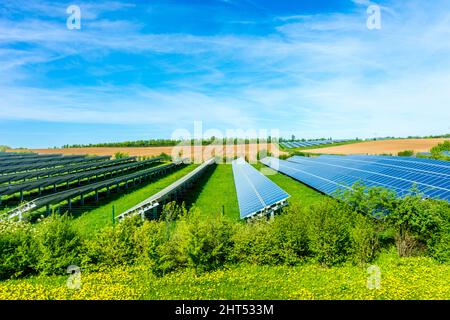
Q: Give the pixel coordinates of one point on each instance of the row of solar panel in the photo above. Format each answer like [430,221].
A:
[299,144]
[48,163]
[67,178]
[70,168]
[22,159]
[70,194]
[256,193]
[11,155]
[332,174]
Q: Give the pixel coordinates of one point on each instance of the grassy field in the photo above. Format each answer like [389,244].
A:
[217,190]
[95,218]
[401,278]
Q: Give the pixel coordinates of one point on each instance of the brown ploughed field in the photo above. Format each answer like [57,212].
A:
[382,146]
[249,150]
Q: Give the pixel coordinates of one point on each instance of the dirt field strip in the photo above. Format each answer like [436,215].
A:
[382,146]
[248,149]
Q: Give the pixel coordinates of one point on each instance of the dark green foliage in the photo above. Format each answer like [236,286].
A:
[113,246]
[364,239]
[172,211]
[165,156]
[406,153]
[148,240]
[281,241]
[209,242]
[376,201]
[418,223]
[202,244]
[139,143]
[329,232]
[17,250]
[290,231]
[255,244]
[436,152]
[58,245]
[120,155]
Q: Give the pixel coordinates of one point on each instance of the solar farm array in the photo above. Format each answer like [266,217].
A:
[256,193]
[311,143]
[65,177]
[332,174]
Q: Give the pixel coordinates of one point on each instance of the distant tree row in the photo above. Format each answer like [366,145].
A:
[293,138]
[138,143]
[170,142]
[167,142]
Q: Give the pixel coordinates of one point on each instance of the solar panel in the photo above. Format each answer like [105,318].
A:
[289,145]
[68,194]
[31,160]
[432,165]
[67,178]
[256,193]
[71,168]
[49,164]
[331,173]
[16,154]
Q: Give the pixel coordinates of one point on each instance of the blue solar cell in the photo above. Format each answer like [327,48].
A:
[398,177]
[341,172]
[255,191]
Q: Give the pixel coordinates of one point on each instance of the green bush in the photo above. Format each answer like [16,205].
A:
[436,152]
[254,243]
[364,239]
[377,202]
[209,242]
[329,232]
[120,155]
[147,240]
[406,153]
[58,245]
[172,211]
[113,246]
[290,232]
[18,252]
[332,232]
[416,221]
[165,156]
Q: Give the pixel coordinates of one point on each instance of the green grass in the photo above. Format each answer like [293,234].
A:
[300,193]
[95,218]
[400,278]
[216,190]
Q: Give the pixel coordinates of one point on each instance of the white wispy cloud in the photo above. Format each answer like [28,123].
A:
[315,75]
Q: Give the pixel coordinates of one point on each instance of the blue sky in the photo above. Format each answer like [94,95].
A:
[141,70]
